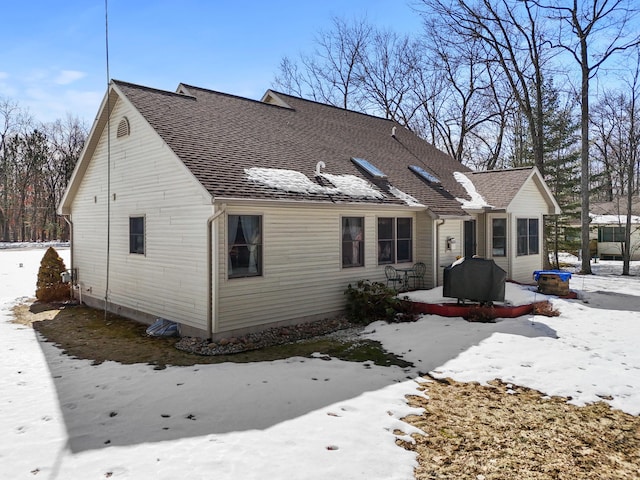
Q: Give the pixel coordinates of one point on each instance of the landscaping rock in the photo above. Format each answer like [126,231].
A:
[264,338]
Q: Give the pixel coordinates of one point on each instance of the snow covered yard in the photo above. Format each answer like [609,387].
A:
[302,418]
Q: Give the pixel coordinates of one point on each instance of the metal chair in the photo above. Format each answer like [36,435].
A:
[393,276]
[419,271]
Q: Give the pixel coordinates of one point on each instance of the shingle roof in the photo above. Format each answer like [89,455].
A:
[218,136]
[618,206]
[499,187]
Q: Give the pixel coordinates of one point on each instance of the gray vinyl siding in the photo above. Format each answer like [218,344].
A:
[169,280]
[303,277]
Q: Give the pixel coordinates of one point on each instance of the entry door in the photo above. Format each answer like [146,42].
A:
[469,238]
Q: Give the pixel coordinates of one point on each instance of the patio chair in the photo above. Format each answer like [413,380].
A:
[417,277]
[393,277]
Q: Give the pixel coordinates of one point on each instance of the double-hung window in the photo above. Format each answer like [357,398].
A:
[499,237]
[528,236]
[352,241]
[395,240]
[136,235]
[245,245]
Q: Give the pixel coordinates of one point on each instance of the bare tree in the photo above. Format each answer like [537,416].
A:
[387,75]
[515,41]
[601,24]
[66,140]
[632,159]
[332,73]
[462,106]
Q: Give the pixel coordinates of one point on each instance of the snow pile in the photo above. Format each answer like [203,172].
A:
[477,201]
[296,182]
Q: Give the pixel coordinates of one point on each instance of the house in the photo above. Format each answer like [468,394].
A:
[608,228]
[226,214]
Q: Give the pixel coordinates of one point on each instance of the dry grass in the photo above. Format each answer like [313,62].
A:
[496,432]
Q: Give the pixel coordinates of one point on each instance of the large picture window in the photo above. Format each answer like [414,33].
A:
[136,235]
[499,237]
[395,240]
[352,241]
[611,234]
[528,236]
[245,245]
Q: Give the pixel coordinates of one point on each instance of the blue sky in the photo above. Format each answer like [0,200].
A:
[52,59]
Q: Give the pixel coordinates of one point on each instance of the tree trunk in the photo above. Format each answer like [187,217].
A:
[584,157]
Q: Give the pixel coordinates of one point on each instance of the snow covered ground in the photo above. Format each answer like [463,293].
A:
[302,418]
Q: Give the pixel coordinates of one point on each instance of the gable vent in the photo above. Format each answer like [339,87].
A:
[123,128]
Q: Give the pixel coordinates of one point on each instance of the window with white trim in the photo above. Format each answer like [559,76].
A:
[395,240]
[499,237]
[245,245]
[528,233]
[136,235]
[352,241]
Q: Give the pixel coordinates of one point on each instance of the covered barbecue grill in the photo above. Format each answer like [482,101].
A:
[475,279]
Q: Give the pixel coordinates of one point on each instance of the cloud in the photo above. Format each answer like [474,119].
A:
[65,77]
[3,75]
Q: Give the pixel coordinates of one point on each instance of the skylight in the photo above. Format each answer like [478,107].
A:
[368,167]
[424,174]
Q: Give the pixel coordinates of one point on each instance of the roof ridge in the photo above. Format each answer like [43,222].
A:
[230,95]
[497,170]
[150,89]
[307,100]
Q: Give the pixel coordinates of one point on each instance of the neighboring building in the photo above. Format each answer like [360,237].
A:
[608,228]
[226,214]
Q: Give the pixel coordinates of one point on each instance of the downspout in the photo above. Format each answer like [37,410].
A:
[70,223]
[210,271]
[73,280]
[436,251]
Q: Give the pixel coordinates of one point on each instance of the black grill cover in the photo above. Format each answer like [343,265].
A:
[475,279]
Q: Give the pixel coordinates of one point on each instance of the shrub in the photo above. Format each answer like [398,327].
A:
[371,301]
[49,286]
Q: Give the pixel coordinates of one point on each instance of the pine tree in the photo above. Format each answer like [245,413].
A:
[49,286]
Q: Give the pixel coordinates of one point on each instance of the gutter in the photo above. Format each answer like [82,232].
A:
[210,269]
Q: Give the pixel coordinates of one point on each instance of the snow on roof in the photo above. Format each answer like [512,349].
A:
[477,201]
[405,197]
[352,186]
[613,219]
[287,180]
[292,181]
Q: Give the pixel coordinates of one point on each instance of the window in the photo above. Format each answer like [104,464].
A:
[352,241]
[136,235]
[245,245]
[499,243]
[395,241]
[611,234]
[528,236]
